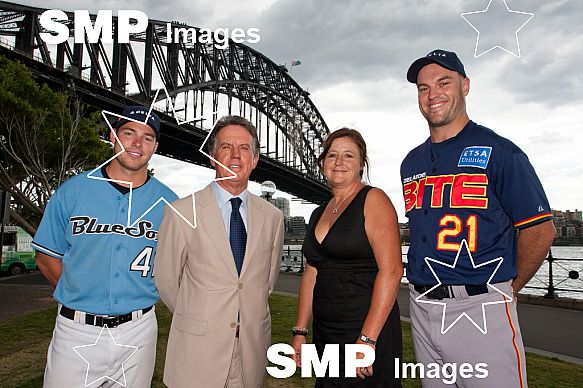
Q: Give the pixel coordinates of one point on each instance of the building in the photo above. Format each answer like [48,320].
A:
[295,226]
[576,215]
[282,204]
[569,225]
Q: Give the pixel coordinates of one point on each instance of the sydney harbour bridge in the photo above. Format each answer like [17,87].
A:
[201,80]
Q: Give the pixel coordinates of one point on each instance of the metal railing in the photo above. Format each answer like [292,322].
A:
[292,260]
[557,271]
[556,274]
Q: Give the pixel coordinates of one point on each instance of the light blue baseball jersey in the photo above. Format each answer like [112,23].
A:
[107,263]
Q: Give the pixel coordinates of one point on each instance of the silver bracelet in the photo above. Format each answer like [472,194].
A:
[367,340]
[300,331]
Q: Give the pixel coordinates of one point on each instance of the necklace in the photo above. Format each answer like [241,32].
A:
[335,209]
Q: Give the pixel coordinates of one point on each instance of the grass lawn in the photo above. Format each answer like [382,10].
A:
[25,341]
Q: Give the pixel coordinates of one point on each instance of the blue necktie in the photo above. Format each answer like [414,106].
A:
[237,235]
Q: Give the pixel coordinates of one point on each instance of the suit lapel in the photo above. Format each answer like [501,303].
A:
[211,221]
[255,221]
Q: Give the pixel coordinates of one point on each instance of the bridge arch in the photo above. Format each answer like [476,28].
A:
[200,78]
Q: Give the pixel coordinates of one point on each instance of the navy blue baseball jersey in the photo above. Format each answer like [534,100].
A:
[107,264]
[478,187]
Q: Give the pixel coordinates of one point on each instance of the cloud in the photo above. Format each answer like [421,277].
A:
[547,137]
[339,41]
[549,70]
[355,55]
[182,177]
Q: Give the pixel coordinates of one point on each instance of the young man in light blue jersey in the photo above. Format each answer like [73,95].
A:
[96,245]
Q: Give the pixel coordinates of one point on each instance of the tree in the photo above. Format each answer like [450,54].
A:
[45,138]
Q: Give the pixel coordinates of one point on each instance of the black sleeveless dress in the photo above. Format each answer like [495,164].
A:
[342,294]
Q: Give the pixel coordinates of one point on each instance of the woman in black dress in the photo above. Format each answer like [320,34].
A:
[354,268]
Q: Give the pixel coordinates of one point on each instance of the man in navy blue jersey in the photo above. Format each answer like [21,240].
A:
[481,226]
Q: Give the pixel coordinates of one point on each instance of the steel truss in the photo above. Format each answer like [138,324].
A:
[202,80]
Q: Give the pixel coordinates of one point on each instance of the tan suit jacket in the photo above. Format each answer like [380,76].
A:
[197,279]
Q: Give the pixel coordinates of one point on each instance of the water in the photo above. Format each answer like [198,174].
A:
[562,267]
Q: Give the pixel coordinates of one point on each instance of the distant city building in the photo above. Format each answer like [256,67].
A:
[571,232]
[569,225]
[282,204]
[296,226]
[576,215]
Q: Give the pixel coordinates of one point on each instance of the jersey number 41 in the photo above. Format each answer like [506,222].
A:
[142,262]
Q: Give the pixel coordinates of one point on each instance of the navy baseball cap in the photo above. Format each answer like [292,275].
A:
[447,59]
[140,113]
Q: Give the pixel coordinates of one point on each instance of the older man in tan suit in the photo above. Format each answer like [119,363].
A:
[216,278]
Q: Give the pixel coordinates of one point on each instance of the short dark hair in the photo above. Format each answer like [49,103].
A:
[352,134]
[233,120]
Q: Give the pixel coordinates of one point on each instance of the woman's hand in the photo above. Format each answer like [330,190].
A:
[297,343]
[363,372]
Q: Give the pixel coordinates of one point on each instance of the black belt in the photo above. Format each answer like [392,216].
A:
[97,320]
[443,292]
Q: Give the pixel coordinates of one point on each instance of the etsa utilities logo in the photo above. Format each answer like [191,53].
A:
[475,156]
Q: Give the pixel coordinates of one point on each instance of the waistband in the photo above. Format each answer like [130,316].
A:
[447,292]
[110,321]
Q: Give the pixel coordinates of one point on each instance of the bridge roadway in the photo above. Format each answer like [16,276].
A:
[546,330]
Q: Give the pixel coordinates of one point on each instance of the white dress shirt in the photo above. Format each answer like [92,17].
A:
[223,200]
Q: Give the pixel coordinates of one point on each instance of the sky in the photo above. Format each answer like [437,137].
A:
[355,55]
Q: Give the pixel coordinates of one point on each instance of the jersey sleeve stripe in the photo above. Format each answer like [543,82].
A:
[46,250]
[533,219]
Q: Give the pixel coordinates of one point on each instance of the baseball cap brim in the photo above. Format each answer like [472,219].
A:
[416,67]
[120,123]
[139,114]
